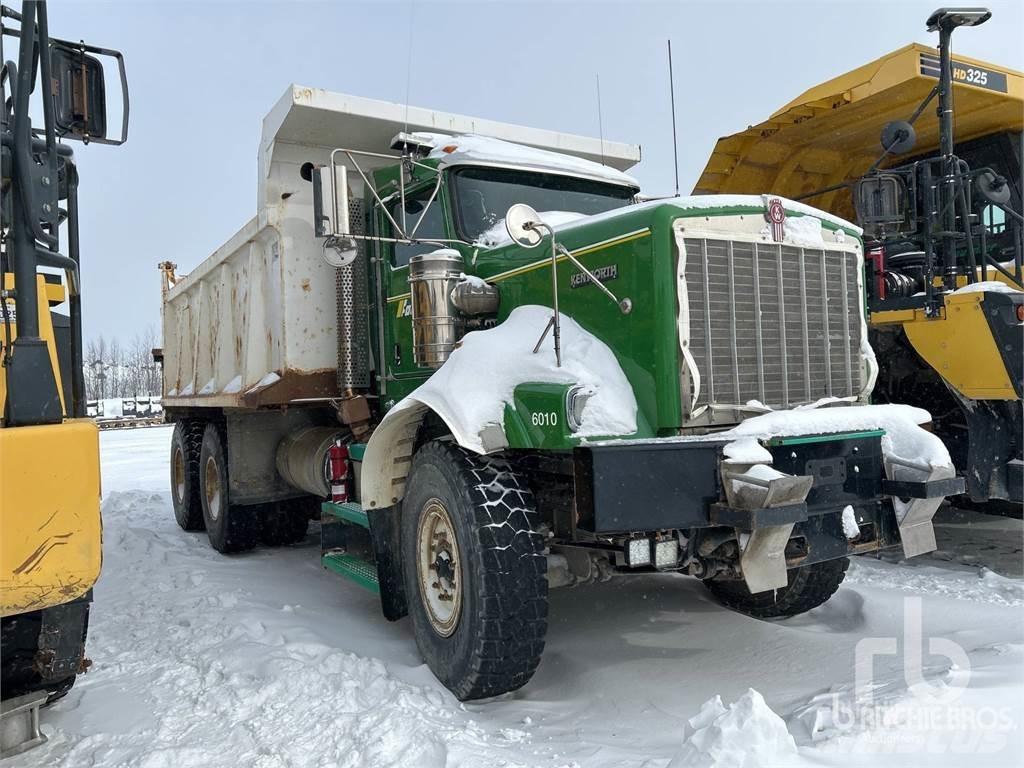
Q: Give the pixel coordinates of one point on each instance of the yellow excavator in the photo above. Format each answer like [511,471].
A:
[50,531]
[939,199]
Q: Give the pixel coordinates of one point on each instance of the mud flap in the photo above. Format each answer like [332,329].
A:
[763,558]
[763,561]
[914,516]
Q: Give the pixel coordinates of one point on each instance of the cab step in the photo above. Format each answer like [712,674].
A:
[349,512]
[358,570]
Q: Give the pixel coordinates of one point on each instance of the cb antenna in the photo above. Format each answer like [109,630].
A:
[672,96]
[600,122]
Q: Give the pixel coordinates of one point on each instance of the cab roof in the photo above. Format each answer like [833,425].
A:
[830,133]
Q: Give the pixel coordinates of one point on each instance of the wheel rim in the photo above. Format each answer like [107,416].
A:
[212,488]
[438,563]
[178,477]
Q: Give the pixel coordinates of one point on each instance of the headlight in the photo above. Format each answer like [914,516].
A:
[666,553]
[638,552]
[575,401]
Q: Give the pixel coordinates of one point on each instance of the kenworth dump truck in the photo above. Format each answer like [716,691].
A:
[50,536]
[479,402]
[939,199]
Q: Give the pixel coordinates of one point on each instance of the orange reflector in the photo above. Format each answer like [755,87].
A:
[1020,313]
[450,148]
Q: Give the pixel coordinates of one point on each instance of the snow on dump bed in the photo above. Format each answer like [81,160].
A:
[471,389]
[470,149]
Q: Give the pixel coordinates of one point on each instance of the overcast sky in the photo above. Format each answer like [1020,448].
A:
[202,76]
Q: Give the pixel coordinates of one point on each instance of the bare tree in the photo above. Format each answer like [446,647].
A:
[113,370]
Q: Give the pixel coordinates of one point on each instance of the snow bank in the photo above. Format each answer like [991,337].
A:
[497,236]
[471,389]
[747,734]
[471,149]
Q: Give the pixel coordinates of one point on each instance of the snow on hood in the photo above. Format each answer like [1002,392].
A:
[746,734]
[471,389]
[471,149]
[496,235]
[797,231]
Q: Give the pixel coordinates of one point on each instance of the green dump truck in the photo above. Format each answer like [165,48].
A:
[486,370]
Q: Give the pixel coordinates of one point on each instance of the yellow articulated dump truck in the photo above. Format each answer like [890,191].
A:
[50,531]
[923,149]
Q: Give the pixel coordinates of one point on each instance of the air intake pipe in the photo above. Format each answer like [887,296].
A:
[436,322]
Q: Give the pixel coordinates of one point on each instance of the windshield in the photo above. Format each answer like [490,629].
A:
[483,195]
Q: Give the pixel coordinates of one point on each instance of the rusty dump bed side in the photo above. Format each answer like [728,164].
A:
[830,133]
[254,324]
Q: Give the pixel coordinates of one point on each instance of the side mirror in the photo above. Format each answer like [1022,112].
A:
[881,204]
[330,198]
[521,222]
[898,137]
[80,94]
[330,210]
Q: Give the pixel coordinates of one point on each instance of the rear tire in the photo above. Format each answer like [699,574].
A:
[230,528]
[809,586]
[475,571]
[186,444]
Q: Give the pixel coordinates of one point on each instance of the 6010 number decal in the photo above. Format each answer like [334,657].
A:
[542,419]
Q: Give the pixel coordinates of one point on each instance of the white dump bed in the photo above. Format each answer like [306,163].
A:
[255,323]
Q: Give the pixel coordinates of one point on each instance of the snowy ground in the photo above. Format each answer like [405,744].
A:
[265,660]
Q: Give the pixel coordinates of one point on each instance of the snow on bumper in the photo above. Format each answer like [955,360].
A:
[786,476]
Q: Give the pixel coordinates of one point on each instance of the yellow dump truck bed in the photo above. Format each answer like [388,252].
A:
[830,133]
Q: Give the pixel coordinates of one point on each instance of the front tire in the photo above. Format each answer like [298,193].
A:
[475,571]
[809,586]
[186,444]
[230,528]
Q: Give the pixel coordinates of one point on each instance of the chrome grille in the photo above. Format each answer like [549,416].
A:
[771,322]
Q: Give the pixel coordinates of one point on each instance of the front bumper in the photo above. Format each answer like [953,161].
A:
[659,485]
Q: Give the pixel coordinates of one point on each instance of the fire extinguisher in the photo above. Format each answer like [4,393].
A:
[337,455]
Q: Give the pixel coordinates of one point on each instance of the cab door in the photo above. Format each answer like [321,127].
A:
[403,373]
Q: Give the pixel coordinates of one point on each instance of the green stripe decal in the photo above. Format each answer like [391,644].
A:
[593,248]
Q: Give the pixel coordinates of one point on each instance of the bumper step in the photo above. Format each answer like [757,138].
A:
[358,570]
[349,512]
